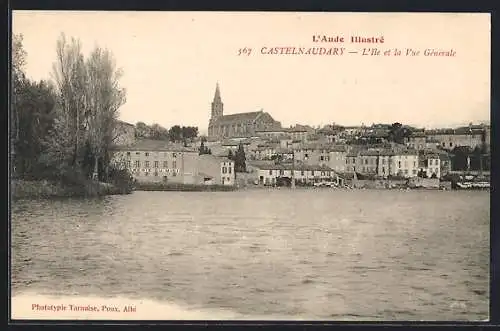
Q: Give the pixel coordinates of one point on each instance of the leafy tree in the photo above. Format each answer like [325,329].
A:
[434,175]
[158,132]
[398,133]
[18,80]
[142,130]
[175,133]
[36,102]
[240,159]
[203,149]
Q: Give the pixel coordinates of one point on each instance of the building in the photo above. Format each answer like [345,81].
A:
[430,164]
[237,125]
[333,156]
[383,163]
[123,133]
[417,140]
[152,161]
[215,170]
[271,174]
[472,136]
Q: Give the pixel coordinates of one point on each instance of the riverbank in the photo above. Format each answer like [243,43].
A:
[24,189]
[182,187]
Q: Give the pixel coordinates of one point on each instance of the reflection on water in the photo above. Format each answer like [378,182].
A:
[330,255]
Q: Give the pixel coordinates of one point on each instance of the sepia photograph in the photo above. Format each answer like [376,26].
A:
[270,166]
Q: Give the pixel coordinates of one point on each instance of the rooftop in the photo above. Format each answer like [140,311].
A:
[154,146]
[298,167]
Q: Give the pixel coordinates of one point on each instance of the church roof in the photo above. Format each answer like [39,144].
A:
[241,117]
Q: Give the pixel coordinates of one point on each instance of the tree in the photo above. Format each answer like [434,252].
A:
[240,159]
[36,102]
[18,80]
[203,149]
[434,175]
[70,76]
[398,133]
[142,130]
[158,132]
[175,133]
[104,98]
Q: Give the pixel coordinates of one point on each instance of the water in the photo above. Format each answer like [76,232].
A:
[280,254]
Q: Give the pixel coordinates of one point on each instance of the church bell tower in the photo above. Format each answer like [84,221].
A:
[217,105]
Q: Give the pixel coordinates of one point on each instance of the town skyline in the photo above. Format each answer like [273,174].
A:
[171,77]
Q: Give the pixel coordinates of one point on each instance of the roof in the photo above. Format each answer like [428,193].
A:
[297,167]
[240,117]
[150,145]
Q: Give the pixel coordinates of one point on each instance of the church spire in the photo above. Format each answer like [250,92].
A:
[217,97]
[217,105]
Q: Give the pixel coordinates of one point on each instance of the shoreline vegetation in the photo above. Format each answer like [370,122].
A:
[36,189]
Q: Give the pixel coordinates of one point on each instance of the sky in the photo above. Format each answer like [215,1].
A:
[173,60]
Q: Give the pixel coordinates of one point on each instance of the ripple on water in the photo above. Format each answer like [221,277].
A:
[256,255]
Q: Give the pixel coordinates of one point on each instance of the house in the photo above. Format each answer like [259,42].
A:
[271,174]
[162,162]
[471,136]
[417,140]
[215,170]
[430,164]
[383,162]
[157,161]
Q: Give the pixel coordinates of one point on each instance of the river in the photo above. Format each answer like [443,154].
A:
[257,254]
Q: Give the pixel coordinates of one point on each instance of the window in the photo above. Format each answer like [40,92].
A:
[312,172]
[270,172]
[156,174]
[128,153]
[366,161]
[174,155]
[430,162]
[129,164]
[302,172]
[414,163]
[137,153]
[224,170]
[451,144]
[414,171]
[174,164]
[321,158]
[147,154]
[165,164]
[146,164]
[137,164]
[229,169]
[146,174]
[406,171]
[156,164]
[282,172]
[399,164]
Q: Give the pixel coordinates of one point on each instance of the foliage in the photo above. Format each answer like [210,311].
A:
[240,159]
[203,149]
[398,133]
[63,131]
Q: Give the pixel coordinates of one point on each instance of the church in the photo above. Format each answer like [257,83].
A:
[237,125]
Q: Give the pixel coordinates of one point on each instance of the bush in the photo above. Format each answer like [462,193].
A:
[122,179]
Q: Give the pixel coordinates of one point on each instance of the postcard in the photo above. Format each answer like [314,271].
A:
[250,166]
